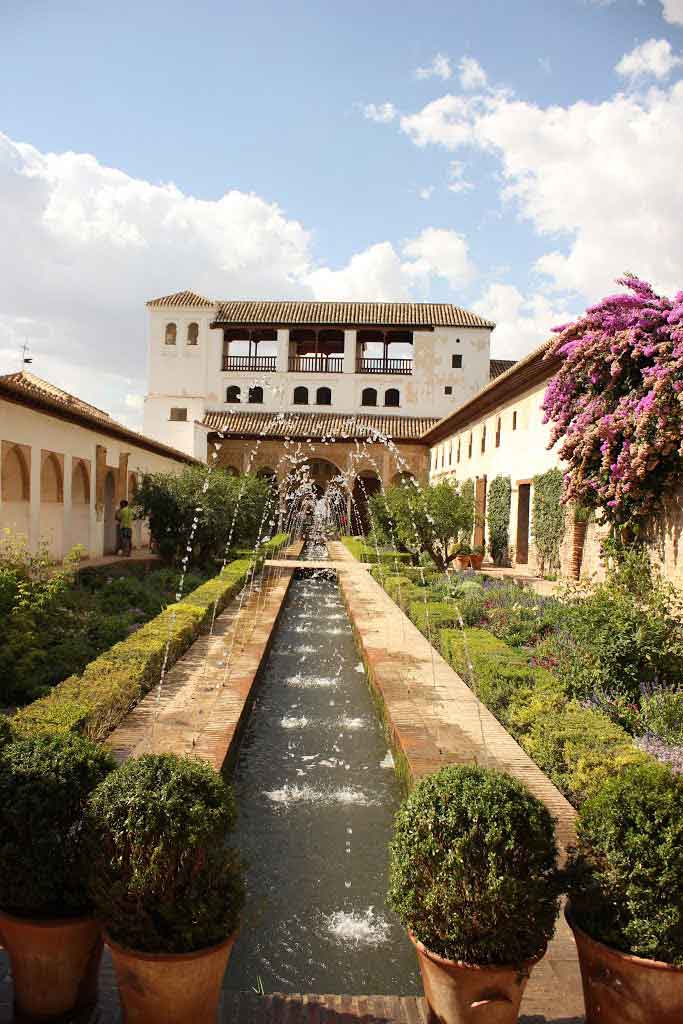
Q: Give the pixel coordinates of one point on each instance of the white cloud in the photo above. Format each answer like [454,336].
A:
[472,74]
[426,192]
[673,11]
[383,113]
[380,271]
[653,58]
[458,183]
[440,67]
[522,322]
[603,179]
[91,245]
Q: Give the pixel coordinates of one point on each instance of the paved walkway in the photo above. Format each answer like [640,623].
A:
[434,719]
[205,696]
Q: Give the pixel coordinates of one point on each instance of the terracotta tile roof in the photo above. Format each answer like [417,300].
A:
[186,298]
[34,392]
[31,384]
[317,425]
[499,366]
[386,314]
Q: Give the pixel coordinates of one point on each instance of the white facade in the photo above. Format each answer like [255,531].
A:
[186,376]
[61,481]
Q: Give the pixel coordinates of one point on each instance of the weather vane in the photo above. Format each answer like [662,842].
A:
[25,357]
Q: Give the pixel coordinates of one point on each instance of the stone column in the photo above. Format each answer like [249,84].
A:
[122,478]
[34,510]
[282,363]
[100,474]
[68,539]
[350,351]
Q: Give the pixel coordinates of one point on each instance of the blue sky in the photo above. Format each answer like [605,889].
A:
[336,153]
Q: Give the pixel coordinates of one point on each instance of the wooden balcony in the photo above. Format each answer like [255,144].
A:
[316,364]
[398,366]
[259,364]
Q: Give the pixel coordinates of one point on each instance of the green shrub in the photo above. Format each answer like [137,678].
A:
[44,785]
[627,870]
[430,617]
[160,875]
[579,749]
[472,870]
[622,635]
[95,702]
[498,518]
[661,713]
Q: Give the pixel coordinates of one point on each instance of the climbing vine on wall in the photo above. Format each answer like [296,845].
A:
[548,519]
[498,518]
[467,494]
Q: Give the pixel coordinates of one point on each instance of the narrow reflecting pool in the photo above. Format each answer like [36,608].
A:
[317,794]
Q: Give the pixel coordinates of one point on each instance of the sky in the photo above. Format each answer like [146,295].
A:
[512,158]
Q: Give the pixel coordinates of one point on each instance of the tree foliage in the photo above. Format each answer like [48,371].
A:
[498,518]
[214,508]
[616,403]
[548,519]
[429,520]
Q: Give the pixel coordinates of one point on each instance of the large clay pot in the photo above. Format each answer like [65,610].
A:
[462,562]
[459,993]
[54,965]
[173,988]
[476,560]
[623,989]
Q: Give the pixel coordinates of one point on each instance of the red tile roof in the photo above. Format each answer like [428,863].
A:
[186,298]
[499,366]
[317,425]
[385,314]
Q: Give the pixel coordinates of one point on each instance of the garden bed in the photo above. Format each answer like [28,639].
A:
[568,677]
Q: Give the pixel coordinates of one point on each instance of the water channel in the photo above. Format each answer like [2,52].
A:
[316,794]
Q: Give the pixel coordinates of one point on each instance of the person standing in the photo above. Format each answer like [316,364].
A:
[124,519]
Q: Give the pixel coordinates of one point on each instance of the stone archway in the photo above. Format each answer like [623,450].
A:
[109,511]
[366,485]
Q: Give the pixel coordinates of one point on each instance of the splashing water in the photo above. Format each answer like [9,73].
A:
[358,928]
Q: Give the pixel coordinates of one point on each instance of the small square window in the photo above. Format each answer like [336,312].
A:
[178,415]
[448,390]
[456,361]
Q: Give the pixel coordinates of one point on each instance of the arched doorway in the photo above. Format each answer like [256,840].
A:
[80,504]
[365,486]
[109,510]
[321,473]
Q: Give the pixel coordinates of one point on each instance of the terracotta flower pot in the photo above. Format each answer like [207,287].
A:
[622,989]
[462,562]
[459,993]
[170,988]
[54,965]
[476,560]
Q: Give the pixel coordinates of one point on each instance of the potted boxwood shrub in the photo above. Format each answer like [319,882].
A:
[477,556]
[462,558]
[46,921]
[167,888]
[473,878]
[626,889]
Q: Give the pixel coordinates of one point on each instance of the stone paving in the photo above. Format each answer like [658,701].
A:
[434,718]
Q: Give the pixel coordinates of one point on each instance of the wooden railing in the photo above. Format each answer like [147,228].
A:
[316,364]
[260,363]
[401,366]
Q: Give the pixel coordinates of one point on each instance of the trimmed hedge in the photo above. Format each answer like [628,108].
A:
[576,747]
[95,702]
[364,552]
[430,617]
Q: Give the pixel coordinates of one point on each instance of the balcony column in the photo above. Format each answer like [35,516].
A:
[349,365]
[282,364]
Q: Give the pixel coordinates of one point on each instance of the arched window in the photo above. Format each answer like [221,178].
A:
[369,397]
[51,479]
[233,393]
[255,396]
[80,484]
[16,484]
[323,396]
[392,397]
[192,334]
[300,396]
[171,333]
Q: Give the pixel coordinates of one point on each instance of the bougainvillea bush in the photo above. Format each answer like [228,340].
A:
[616,403]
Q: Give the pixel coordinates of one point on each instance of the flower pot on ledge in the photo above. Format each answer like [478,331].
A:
[476,561]
[620,988]
[459,993]
[462,562]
